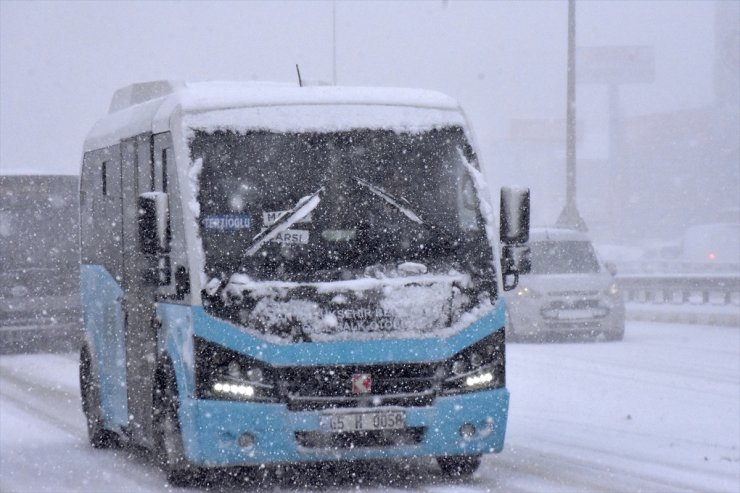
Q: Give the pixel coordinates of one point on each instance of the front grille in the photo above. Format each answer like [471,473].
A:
[376,438]
[573,294]
[574,310]
[325,387]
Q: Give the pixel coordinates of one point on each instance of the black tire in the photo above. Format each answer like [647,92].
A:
[615,335]
[168,444]
[459,466]
[97,434]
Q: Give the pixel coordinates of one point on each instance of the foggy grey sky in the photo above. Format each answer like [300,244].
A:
[61,61]
[505,61]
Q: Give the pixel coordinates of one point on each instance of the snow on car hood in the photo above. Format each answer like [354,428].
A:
[407,304]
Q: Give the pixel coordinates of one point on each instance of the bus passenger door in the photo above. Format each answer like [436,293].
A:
[101,288]
[139,291]
[175,288]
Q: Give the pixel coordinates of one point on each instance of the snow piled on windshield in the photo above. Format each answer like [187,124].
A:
[486,208]
[408,306]
[194,176]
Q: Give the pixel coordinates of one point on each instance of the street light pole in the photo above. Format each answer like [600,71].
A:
[334,42]
[570,217]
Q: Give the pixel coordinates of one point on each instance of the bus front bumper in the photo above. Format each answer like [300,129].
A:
[228,433]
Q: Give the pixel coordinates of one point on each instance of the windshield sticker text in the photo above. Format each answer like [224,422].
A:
[228,222]
[292,236]
[270,218]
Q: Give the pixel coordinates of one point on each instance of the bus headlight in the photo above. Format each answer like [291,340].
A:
[221,373]
[481,366]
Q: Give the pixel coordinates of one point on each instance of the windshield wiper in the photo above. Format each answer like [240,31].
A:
[395,202]
[406,210]
[302,209]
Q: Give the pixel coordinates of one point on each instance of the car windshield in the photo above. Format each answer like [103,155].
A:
[317,206]
[563,257]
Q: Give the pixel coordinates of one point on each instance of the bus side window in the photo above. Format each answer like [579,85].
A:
[164,174]
[160,170]
[104,177]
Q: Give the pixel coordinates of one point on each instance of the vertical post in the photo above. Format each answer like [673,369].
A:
[616,152]
[334,42]
[570,217]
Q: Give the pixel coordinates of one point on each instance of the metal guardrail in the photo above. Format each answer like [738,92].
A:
[55,338]
[40,323]
[712,299]
[663,267]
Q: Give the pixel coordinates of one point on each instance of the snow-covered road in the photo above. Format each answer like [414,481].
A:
[658,412]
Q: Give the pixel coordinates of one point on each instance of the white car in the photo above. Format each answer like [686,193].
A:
[568,293]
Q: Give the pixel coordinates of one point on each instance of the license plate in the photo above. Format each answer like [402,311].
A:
[363,421]
[575,314]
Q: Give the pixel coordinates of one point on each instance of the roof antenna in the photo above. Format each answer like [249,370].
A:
[300,81]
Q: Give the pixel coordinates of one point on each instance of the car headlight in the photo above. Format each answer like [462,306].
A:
[221,373]
[480,366]
[613,289]
[526,292]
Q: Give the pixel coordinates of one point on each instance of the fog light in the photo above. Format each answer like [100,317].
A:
[479,379]
[246,440]
[467,430]
[234,389]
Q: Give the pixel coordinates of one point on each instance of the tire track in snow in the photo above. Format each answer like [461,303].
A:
[626,372]
[47,418]
[698,477]
[38,401]
[560,472]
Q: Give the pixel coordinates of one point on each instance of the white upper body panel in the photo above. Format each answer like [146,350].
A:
[181,108]
[149,107]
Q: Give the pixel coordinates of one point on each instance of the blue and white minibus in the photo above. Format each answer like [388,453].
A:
[275,275]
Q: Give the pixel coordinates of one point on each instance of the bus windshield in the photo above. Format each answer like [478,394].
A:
[380,197]
[363,231]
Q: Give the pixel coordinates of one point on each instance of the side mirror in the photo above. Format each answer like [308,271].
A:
[514,234]
[515,260]
[611,268]
[514,216]
[154,224]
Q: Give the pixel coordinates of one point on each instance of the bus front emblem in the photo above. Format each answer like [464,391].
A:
[361,383]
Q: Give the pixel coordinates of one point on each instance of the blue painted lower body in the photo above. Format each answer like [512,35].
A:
[212,430]
[103,322]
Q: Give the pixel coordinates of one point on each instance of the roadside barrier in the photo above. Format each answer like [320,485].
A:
[710,299]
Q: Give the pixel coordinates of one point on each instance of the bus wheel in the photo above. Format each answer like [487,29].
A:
[97,435]
[459,466]
[167,432]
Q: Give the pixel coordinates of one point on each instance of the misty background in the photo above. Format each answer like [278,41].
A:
[658,106]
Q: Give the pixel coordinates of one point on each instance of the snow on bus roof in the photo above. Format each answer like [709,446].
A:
[146,107]
[208,95]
